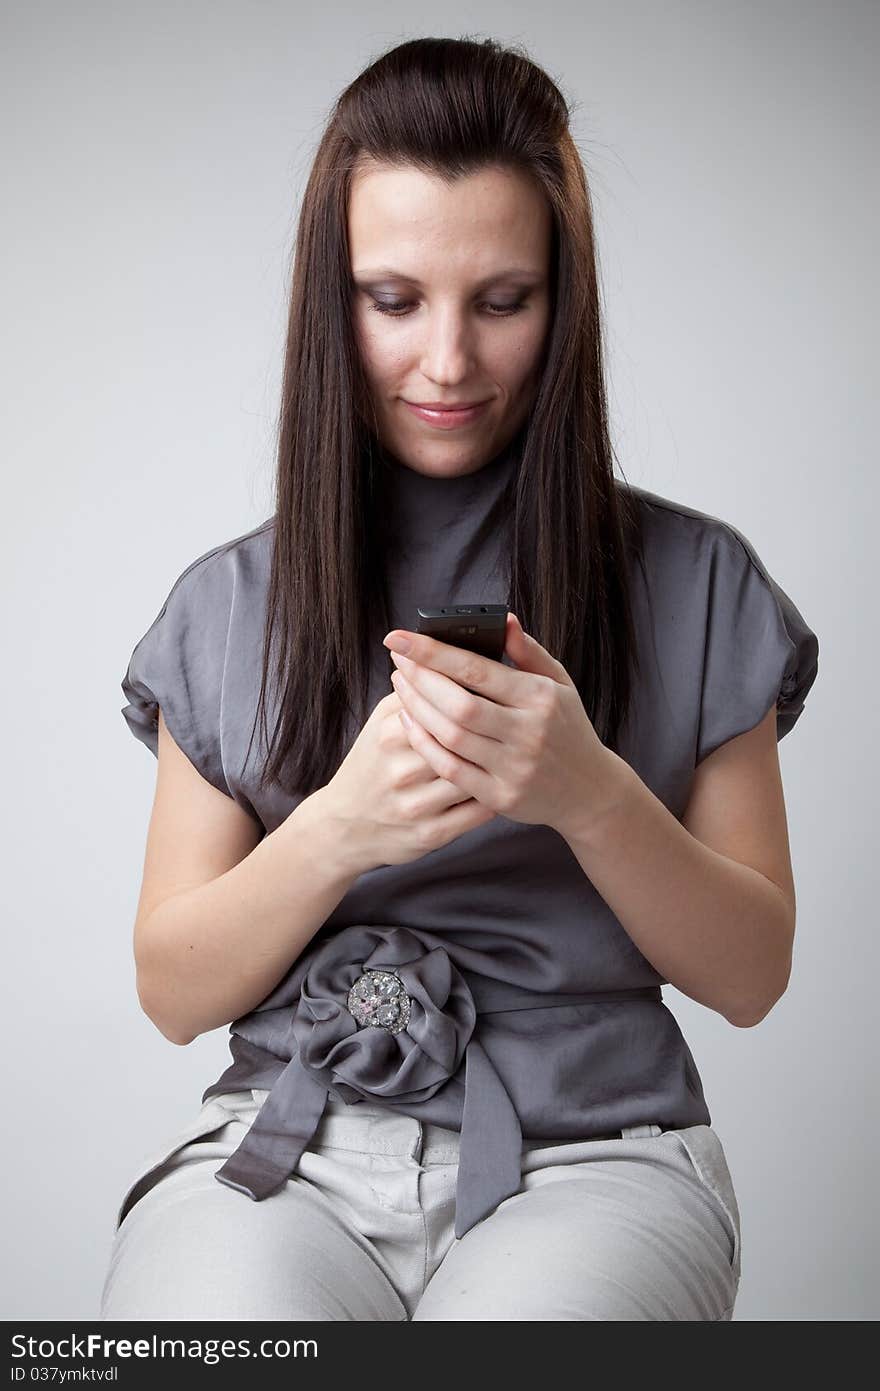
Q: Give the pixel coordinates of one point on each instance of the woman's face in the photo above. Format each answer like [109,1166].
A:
[450,306]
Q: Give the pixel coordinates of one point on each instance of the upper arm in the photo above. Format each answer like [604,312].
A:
[737,805]
[196,832]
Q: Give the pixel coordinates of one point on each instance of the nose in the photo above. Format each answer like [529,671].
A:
[448,351]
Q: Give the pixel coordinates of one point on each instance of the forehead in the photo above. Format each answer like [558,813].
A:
[406,215]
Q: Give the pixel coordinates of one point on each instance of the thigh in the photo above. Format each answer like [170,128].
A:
[188,1247]
[634,1236]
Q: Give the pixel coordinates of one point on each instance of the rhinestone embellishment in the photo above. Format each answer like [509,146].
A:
[378,999]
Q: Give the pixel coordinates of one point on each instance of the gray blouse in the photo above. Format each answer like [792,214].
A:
[486,986]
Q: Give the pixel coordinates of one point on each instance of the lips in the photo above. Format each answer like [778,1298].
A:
[447,418]
[440,406]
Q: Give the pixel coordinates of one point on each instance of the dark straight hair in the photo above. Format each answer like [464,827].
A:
[448,107]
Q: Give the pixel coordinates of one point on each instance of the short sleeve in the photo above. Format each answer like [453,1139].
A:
[759,649]
[178,665]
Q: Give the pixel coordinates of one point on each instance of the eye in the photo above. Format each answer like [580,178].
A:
[398,309]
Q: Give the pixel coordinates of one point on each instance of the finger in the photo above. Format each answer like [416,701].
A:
[467,762]
[456,732]
[468,710]
[484,675]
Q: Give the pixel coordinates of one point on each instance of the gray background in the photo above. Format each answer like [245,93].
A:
[153,160]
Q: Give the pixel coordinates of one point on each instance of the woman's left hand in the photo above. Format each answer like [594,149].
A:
[519,741]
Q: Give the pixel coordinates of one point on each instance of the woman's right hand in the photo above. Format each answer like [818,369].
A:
[390,801]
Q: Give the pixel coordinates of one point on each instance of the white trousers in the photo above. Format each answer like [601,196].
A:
[645,1226]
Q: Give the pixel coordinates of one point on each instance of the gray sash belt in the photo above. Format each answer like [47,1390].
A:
[383,1013]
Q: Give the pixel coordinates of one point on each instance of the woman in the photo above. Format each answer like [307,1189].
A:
[439,916]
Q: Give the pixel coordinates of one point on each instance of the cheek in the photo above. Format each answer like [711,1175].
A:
[383,353]
[515,361]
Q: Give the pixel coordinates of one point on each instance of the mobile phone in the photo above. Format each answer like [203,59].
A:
[478,627]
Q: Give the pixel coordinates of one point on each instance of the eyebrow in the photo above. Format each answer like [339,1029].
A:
[523,274]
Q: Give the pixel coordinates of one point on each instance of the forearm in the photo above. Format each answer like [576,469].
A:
[717,930]
[210,954]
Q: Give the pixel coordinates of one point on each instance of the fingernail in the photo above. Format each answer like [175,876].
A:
[396,644]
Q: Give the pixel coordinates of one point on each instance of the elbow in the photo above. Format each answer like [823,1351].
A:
[747,1014]
[172,1032]
[747,1021]
[168,1029]
[180,1039]
[747,1018]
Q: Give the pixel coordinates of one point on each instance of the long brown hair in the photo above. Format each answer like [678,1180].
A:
[448,107]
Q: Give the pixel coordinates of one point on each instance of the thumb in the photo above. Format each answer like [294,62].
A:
[528,654]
